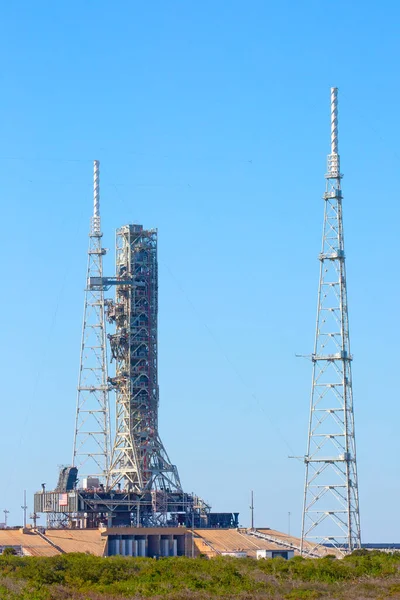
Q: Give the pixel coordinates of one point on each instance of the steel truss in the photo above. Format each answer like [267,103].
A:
[139,460]
[331,505]
[91,446]
[57,520]
[93,508]
[141,486]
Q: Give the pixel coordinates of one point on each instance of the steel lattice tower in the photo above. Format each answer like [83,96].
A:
[92,427]
[139,460]
[331,505]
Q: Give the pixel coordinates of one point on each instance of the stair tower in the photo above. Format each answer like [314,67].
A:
[139,461]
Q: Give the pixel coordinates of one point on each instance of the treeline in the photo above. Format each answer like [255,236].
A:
[85,577]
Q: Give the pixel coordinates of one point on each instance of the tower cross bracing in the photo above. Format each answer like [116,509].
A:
[331,504]
[91,447]
[139,461]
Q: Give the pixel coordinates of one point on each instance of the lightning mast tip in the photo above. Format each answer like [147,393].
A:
[96,229]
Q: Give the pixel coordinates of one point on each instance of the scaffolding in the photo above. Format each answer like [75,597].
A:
[135,483]
[139,460]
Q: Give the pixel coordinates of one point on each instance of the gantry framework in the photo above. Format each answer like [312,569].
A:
[91,448]
[331,506]
[139,460]
[137,484]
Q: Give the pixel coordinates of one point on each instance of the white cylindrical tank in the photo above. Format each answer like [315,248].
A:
[129,547]
[174,547]
[141,547]
[135,548]
[112,547]
[164,548]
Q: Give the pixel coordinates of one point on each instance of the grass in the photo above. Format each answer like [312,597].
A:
[85,577]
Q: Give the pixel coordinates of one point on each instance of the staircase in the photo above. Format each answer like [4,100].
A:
[46,539]
[281,542]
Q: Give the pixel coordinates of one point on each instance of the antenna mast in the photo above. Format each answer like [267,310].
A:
[24,508]
[252,510]
[331,508]
[92,425]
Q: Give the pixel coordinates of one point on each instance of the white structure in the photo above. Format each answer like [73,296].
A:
[91,449]
[274,554]
[89,483]
[331,508]
[139,460]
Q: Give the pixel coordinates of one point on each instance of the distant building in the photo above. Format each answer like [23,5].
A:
[151,541]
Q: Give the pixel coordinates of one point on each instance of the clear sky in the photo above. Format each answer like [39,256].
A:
[211,122]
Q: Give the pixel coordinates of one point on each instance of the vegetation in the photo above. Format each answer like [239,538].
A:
[362,575]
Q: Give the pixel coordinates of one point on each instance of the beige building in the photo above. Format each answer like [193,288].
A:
[163,541]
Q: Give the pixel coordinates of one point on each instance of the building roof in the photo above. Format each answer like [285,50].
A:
[284,537]
[55,541]
[92,541]
[212,542]
[32,543]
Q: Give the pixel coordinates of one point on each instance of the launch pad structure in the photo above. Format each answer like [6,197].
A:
[131,481]
[128,479]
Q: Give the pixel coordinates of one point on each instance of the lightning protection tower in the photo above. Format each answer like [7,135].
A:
[92,426]
[331,507]
[139,460]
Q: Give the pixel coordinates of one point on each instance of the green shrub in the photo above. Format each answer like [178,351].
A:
[87,576]
[9,551]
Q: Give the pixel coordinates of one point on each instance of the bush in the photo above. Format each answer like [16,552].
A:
[9,551]
[83,576]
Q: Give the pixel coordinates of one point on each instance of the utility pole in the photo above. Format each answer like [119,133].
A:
[34,517]
[289,513]
[252,510]
[192,529]
[24,508]
[331,506]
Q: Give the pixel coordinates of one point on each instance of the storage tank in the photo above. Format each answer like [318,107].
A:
[164,548]
[141,547]
[112,547]
[129,547]
[124,547]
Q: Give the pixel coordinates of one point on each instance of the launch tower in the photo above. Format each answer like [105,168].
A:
[331,508]
[139,459]
[134,484]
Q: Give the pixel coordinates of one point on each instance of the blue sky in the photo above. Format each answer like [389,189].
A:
[211,122]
